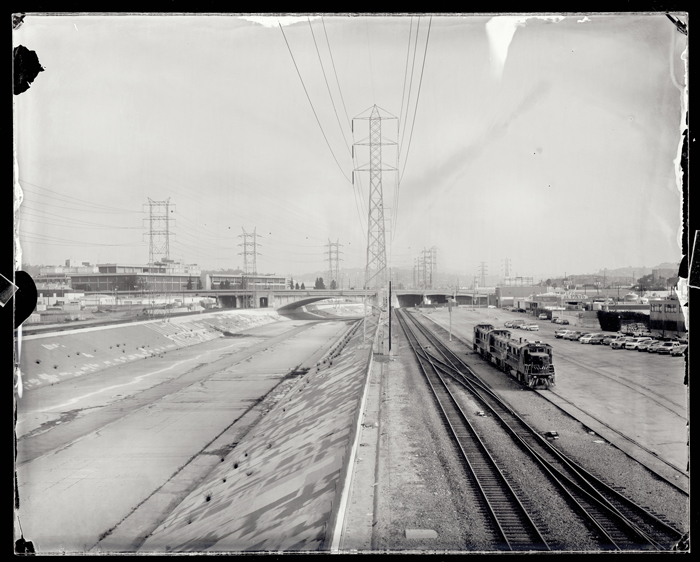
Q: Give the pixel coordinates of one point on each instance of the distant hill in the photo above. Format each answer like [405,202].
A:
[636,271]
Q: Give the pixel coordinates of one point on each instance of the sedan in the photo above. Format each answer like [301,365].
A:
[531,327]
[668,347]
[620,343]
[634,342]
[561,333]
[573,335]
[653,346]
[607,340]
[680,350]
[598,339]
[508,324]
[586,338]
[542,316]
[644,346]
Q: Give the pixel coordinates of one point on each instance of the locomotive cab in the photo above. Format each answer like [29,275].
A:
[537,366]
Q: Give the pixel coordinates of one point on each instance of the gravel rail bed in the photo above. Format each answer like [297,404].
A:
[582,445]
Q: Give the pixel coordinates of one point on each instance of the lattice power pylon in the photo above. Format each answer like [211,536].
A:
[250,252]
[334,263]
[433,267]
[376,275]
[482,273]
[159,224]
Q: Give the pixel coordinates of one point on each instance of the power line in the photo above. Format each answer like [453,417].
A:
[342,134]
[420,83]
[78,201]
[25,206]
[410,85]
[405,72]
[312,105]
[334,71]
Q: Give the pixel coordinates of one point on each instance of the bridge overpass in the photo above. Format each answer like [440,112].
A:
[295,298]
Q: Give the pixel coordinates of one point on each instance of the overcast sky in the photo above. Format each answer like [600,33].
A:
[549,141]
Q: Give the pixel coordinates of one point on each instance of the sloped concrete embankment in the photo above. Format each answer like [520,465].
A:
[281,487]
[50,358]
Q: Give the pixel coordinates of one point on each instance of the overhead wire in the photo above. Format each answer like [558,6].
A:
[357,205]
[312,105]
[405,72]
[77,200]
[420,83]
[325,78]
[410,86]
[334,70]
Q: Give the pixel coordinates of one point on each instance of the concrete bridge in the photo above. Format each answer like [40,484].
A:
[289,299]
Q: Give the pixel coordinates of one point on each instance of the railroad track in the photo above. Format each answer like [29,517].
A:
[620,524]
[515,527]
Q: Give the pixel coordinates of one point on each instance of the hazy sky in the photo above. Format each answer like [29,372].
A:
[549,141]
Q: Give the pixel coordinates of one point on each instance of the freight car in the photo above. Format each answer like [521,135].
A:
[529,362]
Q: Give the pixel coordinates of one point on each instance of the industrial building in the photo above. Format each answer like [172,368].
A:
[162,276]
[666,317]
[259,282]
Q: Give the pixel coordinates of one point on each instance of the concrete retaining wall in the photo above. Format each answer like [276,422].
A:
[50,357]
[280,488]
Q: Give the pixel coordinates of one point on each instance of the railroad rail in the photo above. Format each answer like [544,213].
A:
[620,523]
[514,525]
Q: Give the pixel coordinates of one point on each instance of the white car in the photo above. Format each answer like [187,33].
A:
[542,316]
[531,327]
[586,338]
[634,342]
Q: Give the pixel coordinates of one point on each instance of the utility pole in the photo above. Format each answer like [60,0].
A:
[158,224]
[376,265]
[250,262]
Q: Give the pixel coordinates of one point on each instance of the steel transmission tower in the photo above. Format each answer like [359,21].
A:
[250,253]
[482,273]
[376,275]
[158,223]
[333,263]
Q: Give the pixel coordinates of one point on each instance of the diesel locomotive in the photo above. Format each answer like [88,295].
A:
[528,362]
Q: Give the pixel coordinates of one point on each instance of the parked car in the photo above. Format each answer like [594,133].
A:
[573,335]
[532,327]
[508,323]
[644,346]
[491,306]
[634,342]
[518,323]
[597,339]
[654,346]
[542,316]
[586,338]
[620,342]
[680,350]
[607,340]
[555,320]
[562,321]
[667,347]
[560,333]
